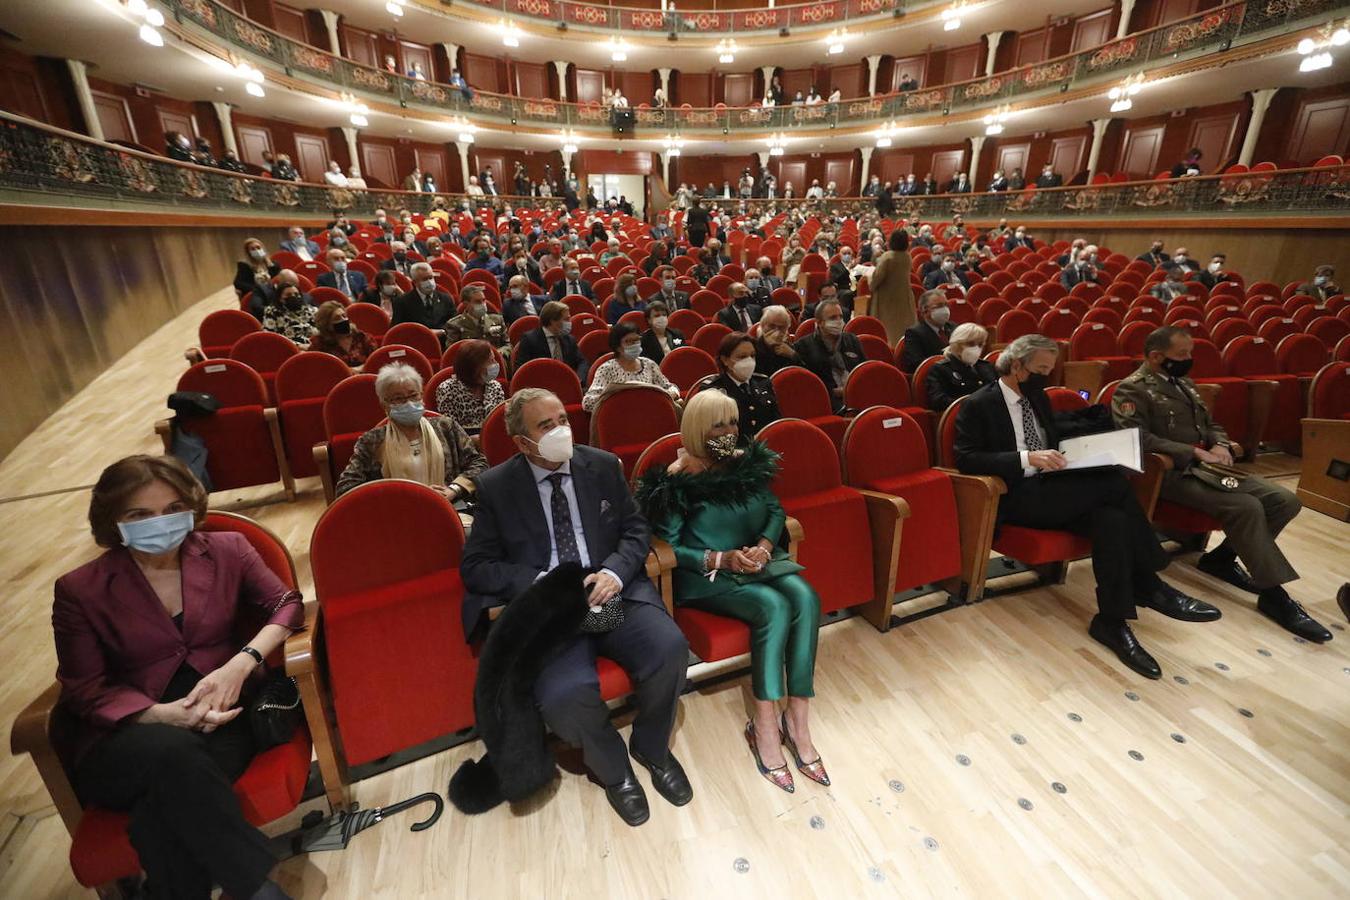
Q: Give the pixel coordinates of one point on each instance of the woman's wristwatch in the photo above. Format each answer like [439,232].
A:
[257,657]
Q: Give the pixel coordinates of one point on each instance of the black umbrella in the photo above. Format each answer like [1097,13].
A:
[334,832]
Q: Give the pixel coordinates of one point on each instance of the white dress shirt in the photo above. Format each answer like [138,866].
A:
[1014,402]
[545,487]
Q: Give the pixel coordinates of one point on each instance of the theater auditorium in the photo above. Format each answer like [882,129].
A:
[674,449]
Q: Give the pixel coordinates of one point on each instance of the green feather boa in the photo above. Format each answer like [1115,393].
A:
[661,494]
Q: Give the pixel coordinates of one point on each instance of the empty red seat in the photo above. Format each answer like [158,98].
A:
[264,352]
[801,395]
[882,384]
[1301,354]
[220,330]
[415,335]
[686,366]
[387,354]
[627,420]
[1253,358]
[1095,341]
[302,384]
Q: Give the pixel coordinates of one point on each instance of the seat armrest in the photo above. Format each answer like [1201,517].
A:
[1085,375]
[320,452]
[660,568]
[164,428]
[1209,394]
[886,514]
[796,534]
[976,513]
[306,663]
[1260,401]
[279,451]
[31,734]
[1148,483]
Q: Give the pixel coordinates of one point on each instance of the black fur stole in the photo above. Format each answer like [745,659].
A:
[661,494]
[518,761]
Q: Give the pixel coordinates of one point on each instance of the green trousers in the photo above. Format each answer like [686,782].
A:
[784,619]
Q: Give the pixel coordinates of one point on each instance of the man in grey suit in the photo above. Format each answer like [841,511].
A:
[553,503]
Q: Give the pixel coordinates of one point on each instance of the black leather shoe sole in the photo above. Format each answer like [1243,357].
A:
[1230,573]
[670,782]
[1136,657]
[628,800]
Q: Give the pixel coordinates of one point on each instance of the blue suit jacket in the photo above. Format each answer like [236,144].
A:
[294,247]
[354,278]
[510,544]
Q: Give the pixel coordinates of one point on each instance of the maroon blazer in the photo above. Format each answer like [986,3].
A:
[116,645]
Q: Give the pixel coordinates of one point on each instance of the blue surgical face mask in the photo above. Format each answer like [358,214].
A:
[158,534]
[339,267]
[669,284]
[406,413]
[632,351]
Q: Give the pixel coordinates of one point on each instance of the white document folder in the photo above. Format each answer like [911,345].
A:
[1110,448]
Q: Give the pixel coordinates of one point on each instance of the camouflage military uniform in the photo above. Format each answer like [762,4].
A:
[1173,420]
[490,328]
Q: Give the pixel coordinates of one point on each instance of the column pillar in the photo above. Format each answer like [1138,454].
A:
[463,149]
[1098,135]
[767,71]
[866,151]
[1260,103]
[330,23]
[566,163]
[665,83]
[451,56]
[665,170]
[976,145]
[350,133]
[225,116]
[873,66]
[560,66]
[80,77]
[1126,9]
[992,40]
[763,156]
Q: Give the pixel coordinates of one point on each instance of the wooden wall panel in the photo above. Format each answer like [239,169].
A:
[481,72]
[964,63]
[851,81]
[1067,156]
[1139,153]
[638,87]
[892,167]
[1008,157]
[739,89]
[694,89]
[945,164]
[410,52]
[252,141]
[589,85]
[171,120]
[841,172]
[115,117]
[917,66]
[311,156]
[1092,30]
[21,88]
[795,80]
[1215,136]
[1171,10]
[1321,128]
[290,22]
[378,165]
[794,172]
[1031,47]
[360,45]
[532,80]
[432,162]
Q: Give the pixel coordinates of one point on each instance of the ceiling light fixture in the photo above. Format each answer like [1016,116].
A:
[776,142]
[674,143]
[1316,52]
[726,52]
[394,9]
[151,36]
[1122,93]
[993,122]
[951,16]
[255,89]
[835,41]
[466,137]
[510,33]
[154,20]
[359,120]
[618,50]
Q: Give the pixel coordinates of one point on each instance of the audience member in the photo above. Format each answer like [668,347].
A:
[773,347]
[714,507]
[739,314]
[541,485]
[892,295]
[1323,285]
[300,245]
[946,274]
[154,678]
[1190,166]
[351,283]
[552,339]
[830,352]
[476,322]
[625,298]
[668,295]
[1082,271]
[572,284]
[283,170]
[961,371]
[1019,238]
[1171,287]
[737,378]
[1182,259]
[659,339]
[425,303]
[178,146]
[930,335]
[1017,181]
[628,366]
[473,392]
[998,183]
[255,271]
[1096,503]
[1049,178]
[230,162]
[960,184]
[290,315]
[1214,273]
[519,301]
[433,451]
[333,176]
[1173,420]
[383,292]
[355,181]
[1155,255]
[335,334]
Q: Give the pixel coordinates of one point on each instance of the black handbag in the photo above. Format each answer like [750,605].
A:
[275,712]
[603,619]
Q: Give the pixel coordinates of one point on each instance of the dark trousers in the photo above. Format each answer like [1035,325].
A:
[1253,517]
[186,824]
[654,653]
[1097,504]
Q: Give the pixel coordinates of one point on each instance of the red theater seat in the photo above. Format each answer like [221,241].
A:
[303,383]
[801,395]
[264,352]
[1253,358]
[882,384]
[853,558]
[555,375]
[686,366]
[627,419]
[222,329]
[349,411]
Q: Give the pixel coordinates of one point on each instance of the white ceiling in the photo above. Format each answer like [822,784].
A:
[102,33]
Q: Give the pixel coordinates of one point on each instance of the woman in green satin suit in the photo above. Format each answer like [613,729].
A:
[714,506]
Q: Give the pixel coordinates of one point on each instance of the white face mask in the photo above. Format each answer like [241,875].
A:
[556,444]
[969,355]
[832,326]
[632,351]
[1215,267]
[427,285]
[491,372]
[941,315]
[1179,258]
[659,322]
[743,368]
[258,253]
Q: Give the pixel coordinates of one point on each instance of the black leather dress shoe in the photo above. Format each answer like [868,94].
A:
[669,780]
[1227,570]
[1286,612]
[629,800]
[1173,603]
[1343,599]
[1120,639]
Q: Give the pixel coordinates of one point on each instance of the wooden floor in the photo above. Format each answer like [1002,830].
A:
[992,750]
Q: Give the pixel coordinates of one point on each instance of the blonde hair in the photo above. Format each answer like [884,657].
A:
[967,333]
[704,410]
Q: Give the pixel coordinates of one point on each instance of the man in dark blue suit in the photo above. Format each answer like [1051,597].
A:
[553,503]
[301,246]
[351,283]
[571,283]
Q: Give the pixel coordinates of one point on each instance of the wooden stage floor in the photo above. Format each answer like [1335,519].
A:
[992,750]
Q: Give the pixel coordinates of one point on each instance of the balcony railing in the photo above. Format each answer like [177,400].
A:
[45,166]
[1210,31]
[729,22]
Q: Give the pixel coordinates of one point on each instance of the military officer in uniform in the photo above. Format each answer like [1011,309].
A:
[756,404]
[1164,405]
[476,322]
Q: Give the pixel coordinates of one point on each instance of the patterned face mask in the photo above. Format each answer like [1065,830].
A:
[722,446]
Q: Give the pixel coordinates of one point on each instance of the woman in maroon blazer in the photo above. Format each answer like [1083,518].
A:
[149,665]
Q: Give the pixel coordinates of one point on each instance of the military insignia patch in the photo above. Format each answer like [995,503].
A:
[1127,407]
[1230,482]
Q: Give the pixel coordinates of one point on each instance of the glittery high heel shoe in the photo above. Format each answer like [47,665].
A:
[780,777]
[813,770]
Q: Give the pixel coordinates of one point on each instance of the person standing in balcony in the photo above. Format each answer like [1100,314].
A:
[658,99]
[1049,177]
[458,83]
[1017,181]
[390,65]
[416,73]
[998,183]
[414,180]
[1188,167]
[776,92]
